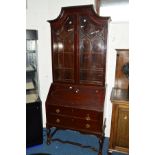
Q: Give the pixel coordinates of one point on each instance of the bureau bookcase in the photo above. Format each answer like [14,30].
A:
[76,96]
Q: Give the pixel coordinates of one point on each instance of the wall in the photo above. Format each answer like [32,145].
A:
[37,14]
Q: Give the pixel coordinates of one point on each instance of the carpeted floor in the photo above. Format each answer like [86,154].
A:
[59,148]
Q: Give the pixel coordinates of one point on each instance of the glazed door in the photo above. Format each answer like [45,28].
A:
[79,50]
[92,51]
[63,50]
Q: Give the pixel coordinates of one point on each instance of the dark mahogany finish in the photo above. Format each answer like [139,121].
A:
[76,96]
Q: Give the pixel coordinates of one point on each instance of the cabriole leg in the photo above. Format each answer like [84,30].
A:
[100,145]
[109,153]
[48,131]
[101,138]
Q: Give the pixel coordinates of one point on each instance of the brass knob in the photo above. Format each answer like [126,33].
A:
[77,90]
[58,120]
[57,110]
[96,91]
[87,117]
[87,126]
[125,117]
[70,87]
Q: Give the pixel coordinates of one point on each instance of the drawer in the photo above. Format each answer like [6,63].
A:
[54,109]
[88,114]
[73,112]
[74,123]
[95,126]
[59,120]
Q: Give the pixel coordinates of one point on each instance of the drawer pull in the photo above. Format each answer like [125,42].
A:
[87,126]
[96,91]
[57,111]
[125,117]
[58,120]
[70,87]
[87,117]
[77,91]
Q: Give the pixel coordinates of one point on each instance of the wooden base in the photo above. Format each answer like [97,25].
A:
[111,151]
[100,145]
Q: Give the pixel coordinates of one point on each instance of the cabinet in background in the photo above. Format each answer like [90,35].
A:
[34,134]
[33,103]
[32,84]
[119,136]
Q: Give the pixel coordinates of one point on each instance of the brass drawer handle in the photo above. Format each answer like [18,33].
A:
[77,91]
[87,126]
[58,120]
[70,87]
[96,91]
[57,110]
[87,117]
[125,117]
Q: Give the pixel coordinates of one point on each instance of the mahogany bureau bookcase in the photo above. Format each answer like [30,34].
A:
[76,97]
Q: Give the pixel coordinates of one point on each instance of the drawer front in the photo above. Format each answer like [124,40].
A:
[54,109]
[95,126]
[59,120]
[88,114]
[79,113]
[74,123]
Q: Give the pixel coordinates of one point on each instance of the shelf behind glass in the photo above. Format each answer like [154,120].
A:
[30,84]
[30,51]
[64,74]
[30,68]
[92,76]
[31,98]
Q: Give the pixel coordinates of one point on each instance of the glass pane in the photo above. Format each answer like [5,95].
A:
[63,51]
[68,60]
[97,61]
[91,77]
[64,75]
[68,75]
[91,50]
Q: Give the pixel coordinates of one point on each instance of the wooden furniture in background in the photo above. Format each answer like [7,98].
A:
[119,136]
[121,81]
[76,97]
